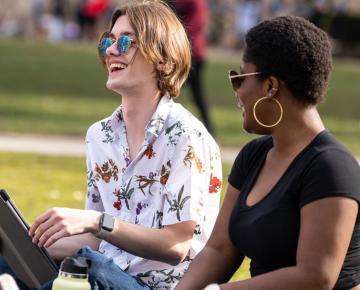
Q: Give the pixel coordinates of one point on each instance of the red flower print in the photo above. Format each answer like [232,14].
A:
[106,177]
[98,169]
[215,184]
[108,170]
[117,205]
[149,152]
[164,178]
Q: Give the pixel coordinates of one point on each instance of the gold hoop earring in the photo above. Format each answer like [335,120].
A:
[256,118]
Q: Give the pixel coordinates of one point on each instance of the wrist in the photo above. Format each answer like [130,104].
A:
[95,226]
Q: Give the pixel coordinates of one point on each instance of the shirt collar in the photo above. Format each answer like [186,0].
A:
[157,121]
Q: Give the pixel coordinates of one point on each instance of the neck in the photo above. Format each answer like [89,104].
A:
[138,109]
[297,131]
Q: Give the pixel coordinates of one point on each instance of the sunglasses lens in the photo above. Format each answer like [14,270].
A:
[236,80]
[103,45]
[124,44]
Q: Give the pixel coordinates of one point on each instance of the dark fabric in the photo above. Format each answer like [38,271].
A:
[268,231]
[194,14]
[197,93]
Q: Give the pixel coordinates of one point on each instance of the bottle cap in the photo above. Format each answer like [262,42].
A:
[74,265]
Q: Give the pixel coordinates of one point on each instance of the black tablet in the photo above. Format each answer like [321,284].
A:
[31,264]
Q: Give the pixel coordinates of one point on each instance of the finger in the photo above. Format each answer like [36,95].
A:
[39,220]
[55,237]
[42,228]
[49,233]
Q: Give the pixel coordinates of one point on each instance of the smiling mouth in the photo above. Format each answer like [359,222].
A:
[117,67]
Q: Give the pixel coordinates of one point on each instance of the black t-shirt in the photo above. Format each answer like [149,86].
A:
[268,231]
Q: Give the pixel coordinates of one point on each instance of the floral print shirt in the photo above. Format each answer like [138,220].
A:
[175,177]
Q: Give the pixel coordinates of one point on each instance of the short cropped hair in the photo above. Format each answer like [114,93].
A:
[162,40]
[295,51]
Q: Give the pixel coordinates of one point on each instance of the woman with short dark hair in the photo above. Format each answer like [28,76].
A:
[293,196]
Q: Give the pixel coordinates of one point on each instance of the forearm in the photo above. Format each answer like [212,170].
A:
[156,244]
[210,266]
[290,278]
[69,246]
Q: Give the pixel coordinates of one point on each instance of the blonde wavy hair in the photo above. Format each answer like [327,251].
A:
[161,38]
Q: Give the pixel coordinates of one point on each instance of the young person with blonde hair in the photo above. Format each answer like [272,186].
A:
[154,171]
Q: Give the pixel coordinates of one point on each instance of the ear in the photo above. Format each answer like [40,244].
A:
[272,86]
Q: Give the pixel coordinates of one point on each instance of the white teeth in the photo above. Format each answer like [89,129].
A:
[117,65]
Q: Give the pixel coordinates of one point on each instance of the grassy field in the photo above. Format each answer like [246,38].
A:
[60,90]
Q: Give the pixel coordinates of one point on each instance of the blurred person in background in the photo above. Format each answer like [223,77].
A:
[54,21]
[90,15]
[194,15]
[154,171]
[292,203]
[247,15]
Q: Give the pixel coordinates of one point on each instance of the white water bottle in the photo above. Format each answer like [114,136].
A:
[73,275]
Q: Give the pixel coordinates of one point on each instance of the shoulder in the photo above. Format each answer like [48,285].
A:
[103,127]
[330,170]
[183,123]
[327,151]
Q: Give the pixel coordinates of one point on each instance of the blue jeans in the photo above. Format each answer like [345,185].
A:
[104,274]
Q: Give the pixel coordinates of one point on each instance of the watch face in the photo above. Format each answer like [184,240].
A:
[107,222]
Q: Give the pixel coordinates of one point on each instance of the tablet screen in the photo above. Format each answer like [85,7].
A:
[31,264]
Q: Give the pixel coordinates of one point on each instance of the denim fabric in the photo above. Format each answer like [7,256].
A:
[104,274]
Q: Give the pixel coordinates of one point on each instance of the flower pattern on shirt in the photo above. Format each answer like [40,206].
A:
[124,193]
[215,184]
[106,171]
[106,128]
[190,157]
[166,183]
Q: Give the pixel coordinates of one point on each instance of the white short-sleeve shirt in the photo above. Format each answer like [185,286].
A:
[175,177]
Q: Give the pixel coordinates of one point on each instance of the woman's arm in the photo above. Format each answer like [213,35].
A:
[325,233]
[219,259]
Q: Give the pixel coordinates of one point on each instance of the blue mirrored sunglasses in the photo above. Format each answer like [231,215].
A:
[123,44]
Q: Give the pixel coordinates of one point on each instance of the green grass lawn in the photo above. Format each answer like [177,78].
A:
[37,182]
[61,90]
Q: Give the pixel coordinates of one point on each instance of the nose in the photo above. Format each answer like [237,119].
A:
[112,50]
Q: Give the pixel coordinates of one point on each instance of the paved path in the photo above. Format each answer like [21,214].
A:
[64,145]
[68,146]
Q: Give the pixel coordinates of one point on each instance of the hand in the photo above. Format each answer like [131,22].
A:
[57,223]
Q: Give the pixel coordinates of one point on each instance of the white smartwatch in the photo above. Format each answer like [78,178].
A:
[106,225]
[212,287]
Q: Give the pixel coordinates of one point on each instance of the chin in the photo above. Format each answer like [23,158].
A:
[112,86]
[255,129]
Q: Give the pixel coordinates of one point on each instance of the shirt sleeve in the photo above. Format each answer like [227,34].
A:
[93,197]
[194,182]
[331,173]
